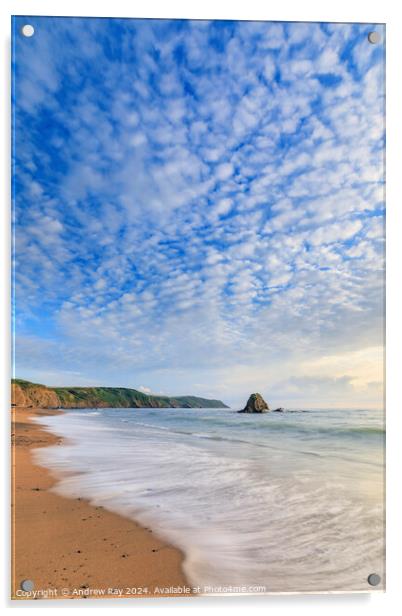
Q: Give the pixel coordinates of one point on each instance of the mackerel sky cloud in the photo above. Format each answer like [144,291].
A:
[199,208]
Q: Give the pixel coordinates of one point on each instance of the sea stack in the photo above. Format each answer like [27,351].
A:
[255,404]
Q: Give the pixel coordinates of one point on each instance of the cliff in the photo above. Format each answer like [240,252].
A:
[25,393]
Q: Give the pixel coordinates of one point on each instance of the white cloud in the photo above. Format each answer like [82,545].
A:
[145,390]
[337,232]
[269,68]
[224,171]
[230,230]
[223,207]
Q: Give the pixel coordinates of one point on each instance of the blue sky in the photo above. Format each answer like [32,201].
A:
[199,208]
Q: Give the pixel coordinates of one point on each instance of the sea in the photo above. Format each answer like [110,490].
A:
[271,503]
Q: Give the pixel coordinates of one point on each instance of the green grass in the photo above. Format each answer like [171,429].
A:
[26,384]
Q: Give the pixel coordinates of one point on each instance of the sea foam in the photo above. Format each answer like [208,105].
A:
[290,503]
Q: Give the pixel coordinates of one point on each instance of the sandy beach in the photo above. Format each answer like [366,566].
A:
[71,549]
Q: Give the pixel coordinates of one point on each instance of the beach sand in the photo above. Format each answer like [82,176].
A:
[71,548]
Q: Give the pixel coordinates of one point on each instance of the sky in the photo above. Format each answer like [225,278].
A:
[199,208]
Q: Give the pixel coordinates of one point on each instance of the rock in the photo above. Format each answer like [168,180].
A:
[280,410]
[255,404]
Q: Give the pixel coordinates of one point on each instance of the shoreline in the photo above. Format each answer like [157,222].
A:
[72,549]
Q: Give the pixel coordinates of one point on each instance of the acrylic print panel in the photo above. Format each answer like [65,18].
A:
[198,230]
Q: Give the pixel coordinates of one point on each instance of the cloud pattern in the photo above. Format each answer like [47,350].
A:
[199,207]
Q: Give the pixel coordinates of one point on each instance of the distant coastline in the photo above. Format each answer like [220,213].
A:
[35,395]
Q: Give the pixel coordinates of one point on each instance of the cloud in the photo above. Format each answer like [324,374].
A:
[224,171]
[146,390]
[198,199]
[336,232]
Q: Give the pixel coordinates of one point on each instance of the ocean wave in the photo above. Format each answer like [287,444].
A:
[244,511]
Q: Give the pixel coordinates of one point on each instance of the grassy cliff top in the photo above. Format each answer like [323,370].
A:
[111,397]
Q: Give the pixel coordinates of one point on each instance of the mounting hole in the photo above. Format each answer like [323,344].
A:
[374,579]
[28,30]
[27,585]
[373,38]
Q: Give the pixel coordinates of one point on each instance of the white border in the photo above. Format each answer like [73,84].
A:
[384,11]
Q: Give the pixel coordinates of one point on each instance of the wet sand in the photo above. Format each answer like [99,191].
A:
[71,549]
